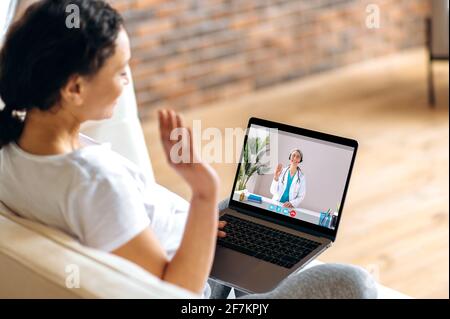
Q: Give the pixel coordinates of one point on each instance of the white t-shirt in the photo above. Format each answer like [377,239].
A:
[93,194]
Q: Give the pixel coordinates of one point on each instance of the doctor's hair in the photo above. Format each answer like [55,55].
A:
[41,53]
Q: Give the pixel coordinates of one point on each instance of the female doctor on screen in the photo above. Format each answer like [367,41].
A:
[289,183]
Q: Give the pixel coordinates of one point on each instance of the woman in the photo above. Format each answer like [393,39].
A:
[290,189]
[53,79]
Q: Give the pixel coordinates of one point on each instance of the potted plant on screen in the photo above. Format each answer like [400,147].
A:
[254,151]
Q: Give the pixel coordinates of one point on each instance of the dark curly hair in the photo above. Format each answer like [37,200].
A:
[41,53]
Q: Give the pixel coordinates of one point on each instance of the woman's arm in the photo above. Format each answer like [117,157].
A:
[192,263]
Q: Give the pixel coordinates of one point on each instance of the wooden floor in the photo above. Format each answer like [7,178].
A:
[396,219]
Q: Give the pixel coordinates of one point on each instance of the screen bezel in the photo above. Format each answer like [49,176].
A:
[282,219]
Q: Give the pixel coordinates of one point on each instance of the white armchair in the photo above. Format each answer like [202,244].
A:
[7,10]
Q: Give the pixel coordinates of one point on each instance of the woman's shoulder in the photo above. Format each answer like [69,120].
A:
[94,161]
[101,162]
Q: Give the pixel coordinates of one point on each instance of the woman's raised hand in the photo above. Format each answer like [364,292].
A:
[278,172]
[181,155]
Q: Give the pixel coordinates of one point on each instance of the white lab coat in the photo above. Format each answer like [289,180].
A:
[297,190]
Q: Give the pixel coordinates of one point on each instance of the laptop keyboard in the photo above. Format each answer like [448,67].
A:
[268,244]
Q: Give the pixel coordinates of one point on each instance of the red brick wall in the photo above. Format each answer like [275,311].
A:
[187,53]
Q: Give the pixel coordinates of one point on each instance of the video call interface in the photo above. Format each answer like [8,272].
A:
[292,175]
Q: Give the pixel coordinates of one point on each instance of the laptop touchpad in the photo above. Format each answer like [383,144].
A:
[230,264]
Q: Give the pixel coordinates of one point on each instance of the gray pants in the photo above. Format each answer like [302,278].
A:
[327,281]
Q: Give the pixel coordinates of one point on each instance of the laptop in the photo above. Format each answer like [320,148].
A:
[273,232]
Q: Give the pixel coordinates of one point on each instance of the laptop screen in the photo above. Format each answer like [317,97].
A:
[292,176]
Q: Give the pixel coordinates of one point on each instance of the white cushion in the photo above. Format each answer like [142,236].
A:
[34,260]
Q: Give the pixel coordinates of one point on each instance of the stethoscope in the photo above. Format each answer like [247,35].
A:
[298,175]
